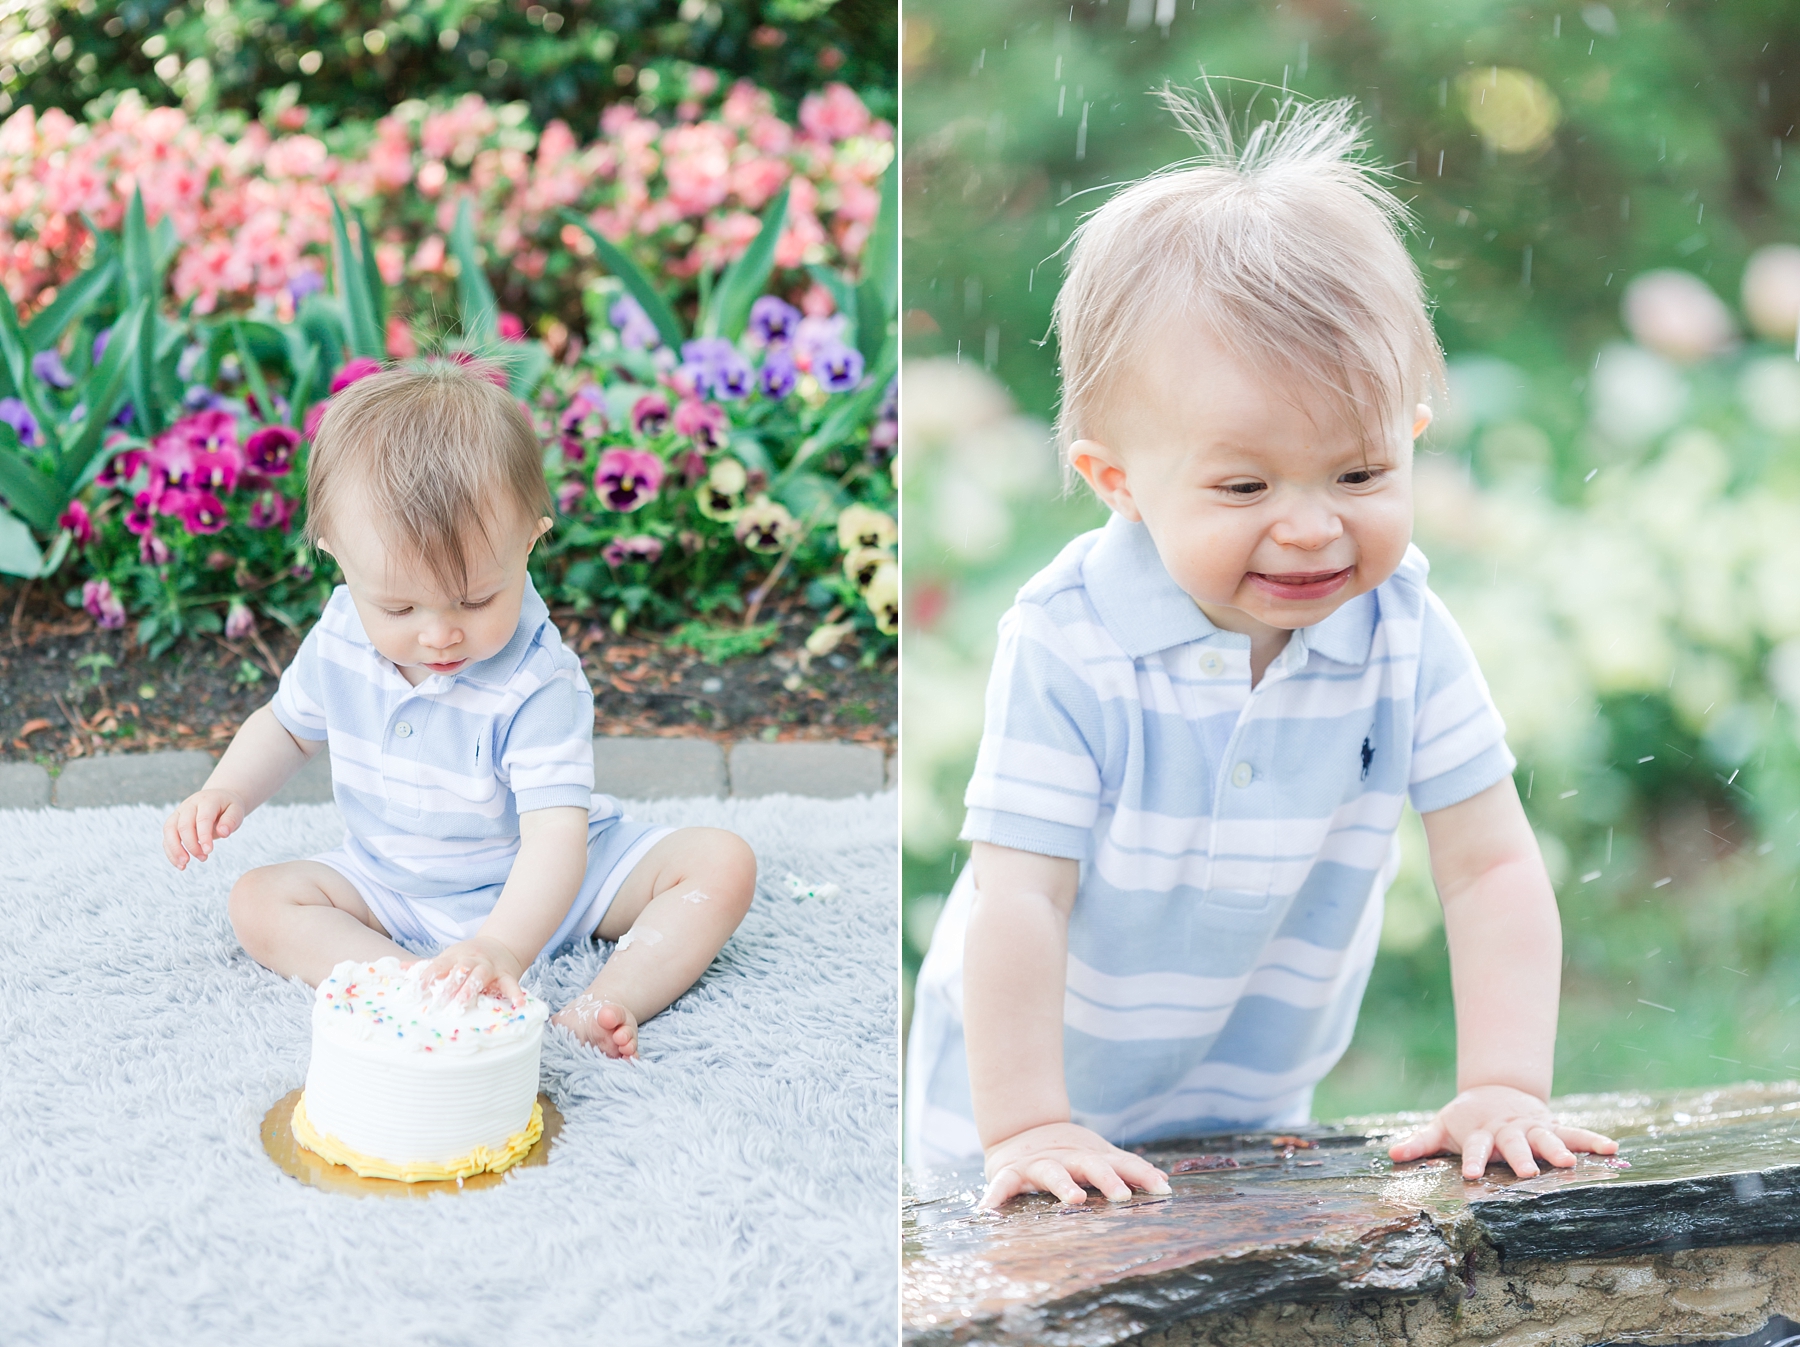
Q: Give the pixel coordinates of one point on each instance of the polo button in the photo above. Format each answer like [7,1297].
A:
[404,730]
[1241,774]
[1212,664]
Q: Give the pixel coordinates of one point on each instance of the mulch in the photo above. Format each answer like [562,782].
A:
[70,690]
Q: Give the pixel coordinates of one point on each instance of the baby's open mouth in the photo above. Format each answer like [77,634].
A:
[1301,585]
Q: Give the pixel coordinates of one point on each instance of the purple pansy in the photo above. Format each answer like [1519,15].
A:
[635,329]
[270,450]
[239,621]
[48,366]
[777,374]
[640,547]
[627,479]
[24,424]
[102,604]
[202,512]
[838,368]
[359,368]
[272,510]
[153,551]
[773,319]
[650,415]
[78,522]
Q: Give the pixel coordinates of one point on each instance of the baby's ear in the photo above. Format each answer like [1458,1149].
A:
[1421,419]
[1100,468]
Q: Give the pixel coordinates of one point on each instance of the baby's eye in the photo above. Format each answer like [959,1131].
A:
[1361,476]
[396,612]
[483,604]
[1243,490]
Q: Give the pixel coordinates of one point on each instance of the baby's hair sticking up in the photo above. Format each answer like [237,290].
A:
[436,453]
[1282,241]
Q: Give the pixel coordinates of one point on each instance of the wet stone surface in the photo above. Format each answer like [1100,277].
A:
[1253,1227]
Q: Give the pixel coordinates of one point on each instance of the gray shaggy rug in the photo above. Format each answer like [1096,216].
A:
[739,1186]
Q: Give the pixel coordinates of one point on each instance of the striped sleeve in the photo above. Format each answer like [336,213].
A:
[547,756]
[299,702]
[1037,776]
[1459,739]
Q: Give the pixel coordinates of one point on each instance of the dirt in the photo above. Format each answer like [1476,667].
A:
[70,690]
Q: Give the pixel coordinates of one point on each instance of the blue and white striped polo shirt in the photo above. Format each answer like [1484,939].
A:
[1235,842]
[432,779]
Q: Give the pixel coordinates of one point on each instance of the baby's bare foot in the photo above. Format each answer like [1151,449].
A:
[600,1023]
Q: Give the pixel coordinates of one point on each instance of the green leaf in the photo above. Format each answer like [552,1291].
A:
[746,278]
[843,294]
[645,293]
[480,310]
[843,419]
[163,245]
[19,554]
[372,275]
[81,442]
[300,394]
[811,498]
[881,255]
[72,301]
[140,262]
[353,289]
[17,359]
[142,286]
[872,323]
[253,375]
[27,490]
[526,364]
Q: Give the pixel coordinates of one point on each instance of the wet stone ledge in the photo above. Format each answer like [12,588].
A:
[1690,1235]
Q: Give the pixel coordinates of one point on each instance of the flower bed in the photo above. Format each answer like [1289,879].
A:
[252,204]
[694,475]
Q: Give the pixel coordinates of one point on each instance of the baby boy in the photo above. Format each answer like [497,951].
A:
[461,733]
[1204,719]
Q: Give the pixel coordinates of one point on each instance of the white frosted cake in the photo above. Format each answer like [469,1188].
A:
[407,1085]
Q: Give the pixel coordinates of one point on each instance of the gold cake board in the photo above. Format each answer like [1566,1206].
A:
[317,1172]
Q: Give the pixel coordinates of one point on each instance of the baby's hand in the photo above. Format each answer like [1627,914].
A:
[471,967]
[1059,1158]
[1489,1118]
[198,822]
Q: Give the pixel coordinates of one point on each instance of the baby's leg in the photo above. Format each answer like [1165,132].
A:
[303,918]
[672,915]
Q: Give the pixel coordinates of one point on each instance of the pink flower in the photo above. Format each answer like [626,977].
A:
[314,415]
[272,510]
[198,452]
[270,450]
[702,82]
[836,114]
[627,479]
[361,367]
[140,518]
[570,495]
[202,512]
[512,327]
[639,547]
[153,551]
[102,604]
[78,522]
[650,415]
[702,422]
[239,621]
[400,343]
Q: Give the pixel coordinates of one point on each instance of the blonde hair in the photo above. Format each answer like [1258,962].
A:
[429,450]
[1284,243]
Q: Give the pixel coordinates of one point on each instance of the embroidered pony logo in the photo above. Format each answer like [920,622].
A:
[1368,756]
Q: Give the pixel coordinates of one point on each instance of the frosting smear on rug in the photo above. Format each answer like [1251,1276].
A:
[407,1083]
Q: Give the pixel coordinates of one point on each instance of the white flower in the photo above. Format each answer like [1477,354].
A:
[1771,291]
[1770,389]
[1636,394]
[1676,314]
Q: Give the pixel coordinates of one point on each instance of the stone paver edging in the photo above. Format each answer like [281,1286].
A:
[632,769]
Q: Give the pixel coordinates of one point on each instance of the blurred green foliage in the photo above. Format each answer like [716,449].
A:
[357,58]
[1625,585]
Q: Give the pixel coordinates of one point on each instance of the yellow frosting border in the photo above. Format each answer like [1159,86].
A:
[478,1161]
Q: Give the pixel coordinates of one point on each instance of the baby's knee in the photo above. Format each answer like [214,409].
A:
[731,862]
[253,901]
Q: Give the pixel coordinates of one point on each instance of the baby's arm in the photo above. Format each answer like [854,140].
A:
[261,758]
[1015,967]
[545,878]
[1505,938]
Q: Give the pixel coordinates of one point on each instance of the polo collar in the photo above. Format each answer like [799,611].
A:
[1146,611]
[499,667]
